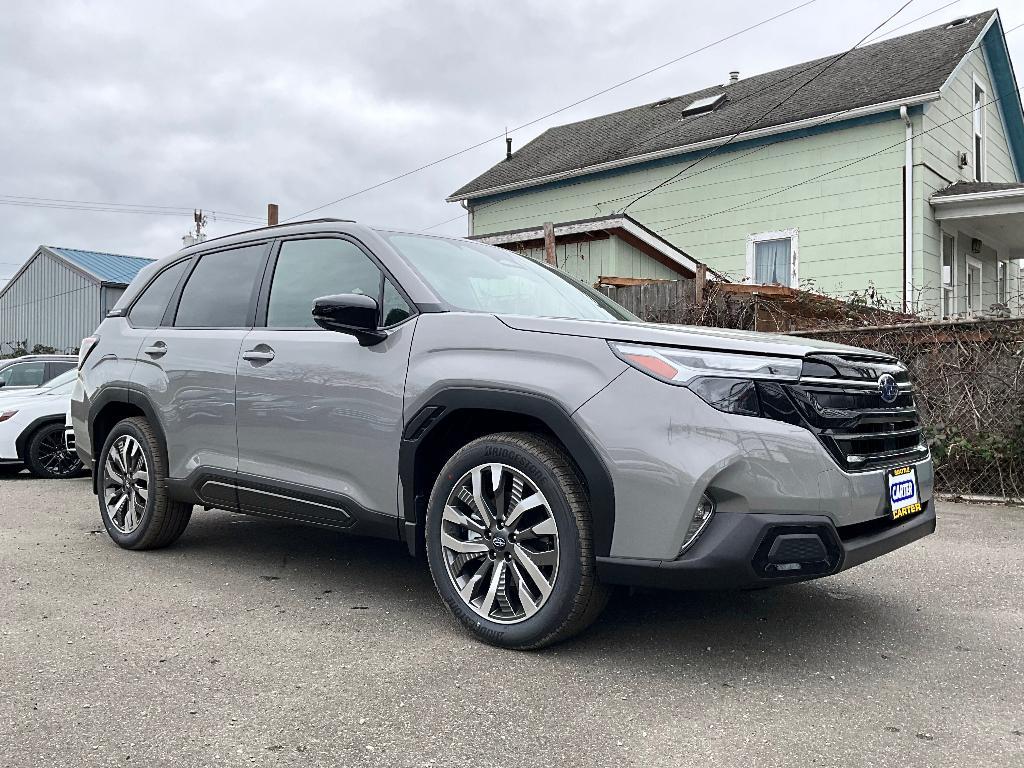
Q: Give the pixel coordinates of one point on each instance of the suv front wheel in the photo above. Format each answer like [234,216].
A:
[136,509]
[509,542]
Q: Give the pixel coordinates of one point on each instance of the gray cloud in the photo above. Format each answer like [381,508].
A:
[228,106]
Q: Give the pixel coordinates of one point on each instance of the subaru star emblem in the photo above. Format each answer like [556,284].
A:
[887,388]
[499,542]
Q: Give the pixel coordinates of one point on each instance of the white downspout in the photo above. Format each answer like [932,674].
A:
[908,214]
[469,217]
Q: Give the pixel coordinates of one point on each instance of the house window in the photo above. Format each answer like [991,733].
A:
[772,258]
[980,161]
[948,278]
[1003,293]
[973,285]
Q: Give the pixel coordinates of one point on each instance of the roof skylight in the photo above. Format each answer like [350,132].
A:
[705,104]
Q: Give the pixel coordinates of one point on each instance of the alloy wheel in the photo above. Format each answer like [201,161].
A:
[500,543]
[125,483]
[53,456]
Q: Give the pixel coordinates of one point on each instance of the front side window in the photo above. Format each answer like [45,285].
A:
[23,375]
[474,277]
[771,258]
[219,292]
[148,310]
[309,269]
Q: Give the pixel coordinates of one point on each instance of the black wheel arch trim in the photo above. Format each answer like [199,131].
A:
[126,395]
[512,401]
[21,441]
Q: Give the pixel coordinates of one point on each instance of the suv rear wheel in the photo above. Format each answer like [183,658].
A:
[509,542]
[136,509]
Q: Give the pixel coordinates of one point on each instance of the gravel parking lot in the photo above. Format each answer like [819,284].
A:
[257,642]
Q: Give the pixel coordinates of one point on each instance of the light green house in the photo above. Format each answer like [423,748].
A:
[895,168]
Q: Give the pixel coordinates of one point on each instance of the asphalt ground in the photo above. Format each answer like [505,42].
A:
[255,642]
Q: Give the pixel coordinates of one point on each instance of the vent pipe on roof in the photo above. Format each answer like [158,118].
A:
[734,76]
[508,147]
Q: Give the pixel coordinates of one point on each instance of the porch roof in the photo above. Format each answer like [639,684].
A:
[992,212]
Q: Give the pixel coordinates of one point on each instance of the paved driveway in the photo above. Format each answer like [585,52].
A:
[258,642]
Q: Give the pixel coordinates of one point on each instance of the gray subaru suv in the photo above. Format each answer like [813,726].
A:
[536,441]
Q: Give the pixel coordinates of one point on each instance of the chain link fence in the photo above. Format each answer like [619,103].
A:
[968,375]
[969,383]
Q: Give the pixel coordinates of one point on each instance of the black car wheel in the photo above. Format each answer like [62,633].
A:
[47,456]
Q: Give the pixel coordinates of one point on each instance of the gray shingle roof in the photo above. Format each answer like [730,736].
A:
[974,187]
[890,70]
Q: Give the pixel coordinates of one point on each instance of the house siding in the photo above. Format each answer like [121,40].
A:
[590,260]
[850,222]
[946,129]
[48,303]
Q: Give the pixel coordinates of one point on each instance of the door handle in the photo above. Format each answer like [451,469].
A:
[157,350]
[261,354]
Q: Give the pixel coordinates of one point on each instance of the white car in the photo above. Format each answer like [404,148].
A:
[32,430]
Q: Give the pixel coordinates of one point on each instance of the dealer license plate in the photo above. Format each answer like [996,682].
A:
[904,500]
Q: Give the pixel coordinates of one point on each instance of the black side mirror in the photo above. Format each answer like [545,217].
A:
[351,313]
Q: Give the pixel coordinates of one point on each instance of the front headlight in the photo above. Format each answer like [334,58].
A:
[5,415]
[724,380]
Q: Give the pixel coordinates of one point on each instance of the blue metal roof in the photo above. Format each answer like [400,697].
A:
[107,267]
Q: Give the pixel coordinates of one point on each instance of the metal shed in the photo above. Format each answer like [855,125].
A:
[60,295]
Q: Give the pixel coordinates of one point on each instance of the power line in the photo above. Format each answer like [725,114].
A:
[180,208]
[875,38]
[833,170]
[748,127]
[555,112]
[735,158]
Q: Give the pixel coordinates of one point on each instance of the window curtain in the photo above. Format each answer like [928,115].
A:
[771,262]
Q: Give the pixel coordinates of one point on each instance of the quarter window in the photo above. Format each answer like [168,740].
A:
[394,308]
[148,310]
[219,291]
[309,269]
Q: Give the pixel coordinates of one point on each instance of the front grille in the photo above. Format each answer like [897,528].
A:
[839,399]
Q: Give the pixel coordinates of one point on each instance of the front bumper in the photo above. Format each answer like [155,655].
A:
[744,550]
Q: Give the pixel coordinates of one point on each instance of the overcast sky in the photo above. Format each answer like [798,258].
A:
[229,106]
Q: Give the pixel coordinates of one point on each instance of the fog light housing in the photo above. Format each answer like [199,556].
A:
[701,518]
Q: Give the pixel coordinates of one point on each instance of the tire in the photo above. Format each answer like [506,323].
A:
[47,456]
[137,512]
[515,579]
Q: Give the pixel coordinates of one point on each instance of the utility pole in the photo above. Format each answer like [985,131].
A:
[271,214]
[198,235]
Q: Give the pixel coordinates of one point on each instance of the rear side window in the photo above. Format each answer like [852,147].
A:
[56,369]
[24,375]
[309,269]
[219,291]
[148,310]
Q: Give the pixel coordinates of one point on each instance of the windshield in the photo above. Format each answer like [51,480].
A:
[482,278]
[58,384]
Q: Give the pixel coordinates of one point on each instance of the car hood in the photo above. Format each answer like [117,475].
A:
[695,337]
[40,398]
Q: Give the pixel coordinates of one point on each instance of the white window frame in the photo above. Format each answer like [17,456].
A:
[973,262]
[1002,281]
[951,285]
[794,252]
[979,130]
